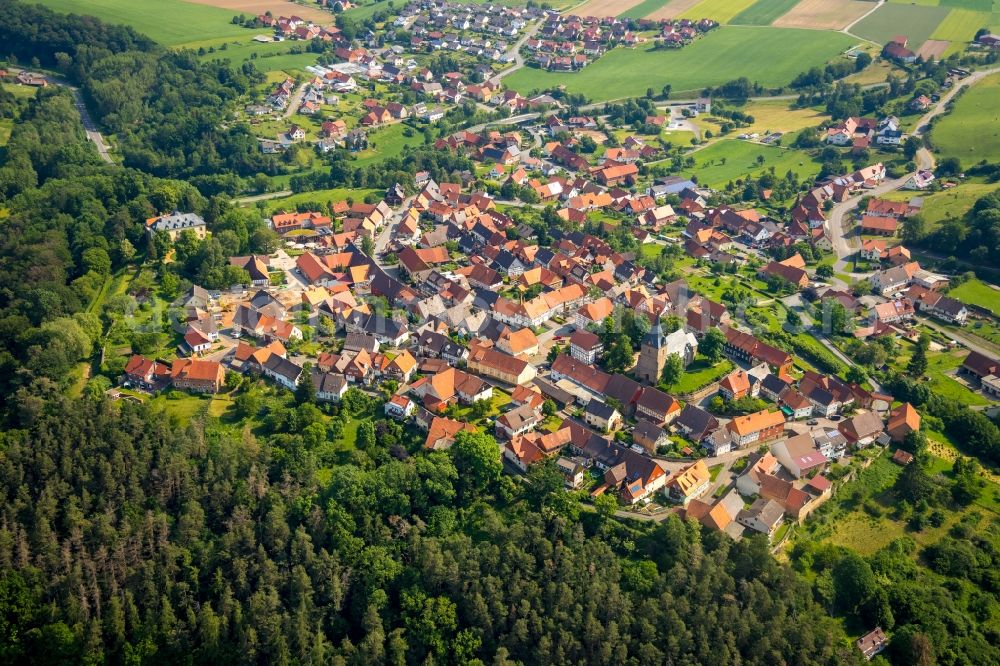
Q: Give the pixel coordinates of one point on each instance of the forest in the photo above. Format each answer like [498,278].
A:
[125,537]
[164,108]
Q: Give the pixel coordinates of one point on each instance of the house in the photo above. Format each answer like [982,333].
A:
[756,428]
[793,275]
[980,366]
[146,374]
[518,421]
[522,342]
[649,436]
[283,371]
[594,313]
[760,466]
[902,421]
[522,453]
[830,443]
[763,516]
[572,471]
[175,223]
[695,423]
[602,416]
[872,643]
[735,385]
[799,455]
[493,363]
[862,429]
[745,347]
[585,346]
[879,226]
[689,483]
[656,406]
[329,386]
[197,375]
[442,431]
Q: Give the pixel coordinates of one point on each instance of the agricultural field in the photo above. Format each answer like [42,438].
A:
[604,7]
[763,12]
[672,9]
[170,22]
[276,7]
[730,159]
[978,293]
[644,8]
[917,22]
[933,49]
[971,130]
[720,10]
[960,26]
[720,56]
[824,14]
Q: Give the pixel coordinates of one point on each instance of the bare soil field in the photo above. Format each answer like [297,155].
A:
[673,9]
[276,7]
[933,48]
[604,7]
[824,14]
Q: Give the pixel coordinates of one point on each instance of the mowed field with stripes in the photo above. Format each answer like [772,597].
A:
[934,27]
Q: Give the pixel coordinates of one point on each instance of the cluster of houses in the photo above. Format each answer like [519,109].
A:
[861,133]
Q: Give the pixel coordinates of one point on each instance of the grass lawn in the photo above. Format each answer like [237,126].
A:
[720,56]
[701,373]
[877,72]
[364,12]
[720,10]
[953,202]
[763,12]
[270,57]
[776,116]
[6,125]
[19,91]
[170,22]
[730,159]
[318,196]
[940,368]
[644,8]
[971,131]
[388,142]
[914,21]
[978,293]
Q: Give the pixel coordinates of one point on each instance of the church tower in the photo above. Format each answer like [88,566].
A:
[652,355]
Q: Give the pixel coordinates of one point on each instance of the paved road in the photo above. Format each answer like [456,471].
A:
[847,29]
[295,101]
[515,51]
[835,222]
[984,347]
[262,197]
[89,126]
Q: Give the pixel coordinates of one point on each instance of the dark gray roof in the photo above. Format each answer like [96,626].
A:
[599,409]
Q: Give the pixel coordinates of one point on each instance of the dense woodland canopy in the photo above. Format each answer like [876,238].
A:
[125,537]
[165,108]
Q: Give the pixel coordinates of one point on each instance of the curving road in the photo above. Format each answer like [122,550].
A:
[834,225]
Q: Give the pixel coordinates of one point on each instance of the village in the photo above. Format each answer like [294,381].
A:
[470,322]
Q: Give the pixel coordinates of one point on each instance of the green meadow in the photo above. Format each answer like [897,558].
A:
[169,22]
[971,130]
